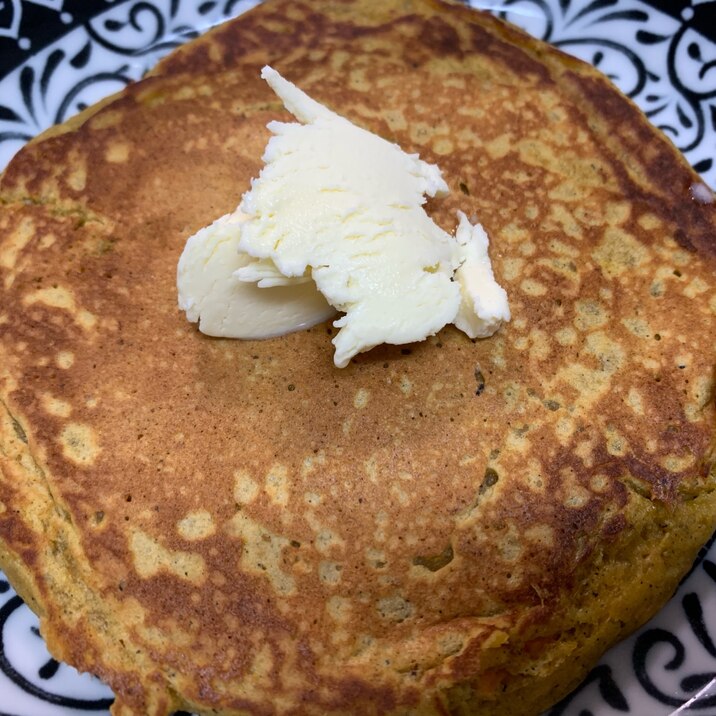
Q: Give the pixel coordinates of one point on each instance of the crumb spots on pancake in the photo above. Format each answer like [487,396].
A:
[677,463]
[65,360]
[533,288]
[608,352]
[590,314]
[406,385]
[635,401]
[55,297]
[540,345]
[169,630]
[695,287]
[565,427]
[312,462]
[361,398]
[617,444]
[542,535]
[657,289]
[276,485]
[617,212]
[563,249]
[85,319]
[566,336]
[512,268]
[497,352]
[395,119]
[375,558]
[326,540]
[184,93]
[117,152]
[150,96]
[584,450]
[370,466]
[599,483]
[576,497]
[637,326]
[330,573]
[79,444]
[218,579]
[106,119]
[77,177]
[339,609]
[565,269]
[564,221]
[196,525]
[47,240]
[15,241]
[400,494]
[649,221]
[261,671]
[358,81]
[534,476]
[200,143]
[394,608]
[619,251]
[63,299]
[151,558]
[499,146]
[589,383]
[55,407]
[532,211]
[443,146]
[312,498]
[246,489]
[262,552]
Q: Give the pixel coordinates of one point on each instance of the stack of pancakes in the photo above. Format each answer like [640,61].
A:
[454,526]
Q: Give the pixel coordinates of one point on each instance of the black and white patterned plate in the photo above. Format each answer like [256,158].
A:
[59,56]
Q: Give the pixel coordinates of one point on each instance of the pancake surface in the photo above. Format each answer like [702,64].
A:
[454,526]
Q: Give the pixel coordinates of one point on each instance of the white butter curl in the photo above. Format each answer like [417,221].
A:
[340,209]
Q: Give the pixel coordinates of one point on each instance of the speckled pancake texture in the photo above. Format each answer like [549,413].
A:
[449,527]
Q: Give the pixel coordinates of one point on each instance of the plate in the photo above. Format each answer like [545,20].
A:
[59,56]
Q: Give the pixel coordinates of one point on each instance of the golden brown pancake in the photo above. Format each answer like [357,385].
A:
[456,526]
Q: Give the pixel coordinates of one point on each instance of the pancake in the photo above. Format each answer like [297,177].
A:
[455,526]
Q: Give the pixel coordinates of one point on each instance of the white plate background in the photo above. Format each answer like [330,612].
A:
[663,62]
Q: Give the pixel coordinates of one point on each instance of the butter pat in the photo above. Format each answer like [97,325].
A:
[224,306]
[483,305]
[339,209]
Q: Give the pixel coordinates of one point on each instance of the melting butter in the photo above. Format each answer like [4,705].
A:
[224,306]
[335,221]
